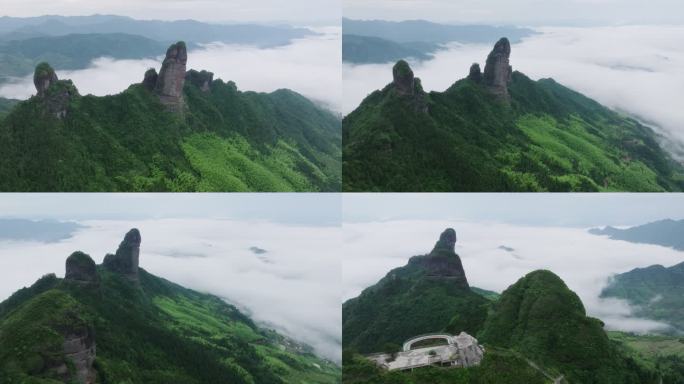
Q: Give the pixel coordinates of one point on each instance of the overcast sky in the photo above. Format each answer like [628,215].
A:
[521,12]
[262,11]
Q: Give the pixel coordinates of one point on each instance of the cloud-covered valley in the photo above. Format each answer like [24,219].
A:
[496,255]
[635,69]
[294,286]
[310,66]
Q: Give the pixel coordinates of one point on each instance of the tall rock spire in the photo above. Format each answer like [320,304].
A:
[171,79]
[126,259]
[443,262]
[498,71]
[404,82]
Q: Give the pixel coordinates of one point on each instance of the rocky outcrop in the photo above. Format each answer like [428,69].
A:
[150,79]
[171,79]
[81,268]
[43,78]
[56,94]
[404,82]
[201,80]
[498,71]
[443,262]
[475,73]
[80,350]
[125,260]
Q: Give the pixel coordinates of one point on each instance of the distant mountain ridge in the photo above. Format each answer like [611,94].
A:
[379,41]
[667,233]
[498,130]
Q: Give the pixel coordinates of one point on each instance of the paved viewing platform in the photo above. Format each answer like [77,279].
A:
[462,350]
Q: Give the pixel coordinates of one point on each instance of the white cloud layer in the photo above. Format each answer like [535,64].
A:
[310,66]
[637,69]
[297,290]
[584,261]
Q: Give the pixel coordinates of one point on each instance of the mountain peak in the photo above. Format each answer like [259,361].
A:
[171,79]
[43,77]
[127,256]
[55,93]
[498,71]
[404,82]
[475,73]
[447,240]
[80,267]
[201,79]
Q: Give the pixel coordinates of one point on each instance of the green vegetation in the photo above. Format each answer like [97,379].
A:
[226,140]
[548,139]
[542,319]
[662,353]
[655,292]
[413,300]
[154,332]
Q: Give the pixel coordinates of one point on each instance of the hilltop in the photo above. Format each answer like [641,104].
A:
[498,130]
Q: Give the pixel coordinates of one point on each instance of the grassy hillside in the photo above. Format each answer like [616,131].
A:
[154,332]
[548,138]
[655,292]
[542,319]
[662,353]
[226,140]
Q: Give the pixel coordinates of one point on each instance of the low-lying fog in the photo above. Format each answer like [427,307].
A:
[285,275]
[637,69]
[310,66]
[584,261]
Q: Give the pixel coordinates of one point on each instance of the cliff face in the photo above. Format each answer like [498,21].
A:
[125,260]
[442,261]
[498,71]
[79,348]
[171,79]
[54,93]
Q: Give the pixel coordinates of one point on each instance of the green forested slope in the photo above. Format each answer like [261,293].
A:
[224,140]
[539,136]
[145,331]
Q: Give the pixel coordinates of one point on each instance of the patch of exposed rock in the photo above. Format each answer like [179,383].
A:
[81,268]
[498,71]
[404,81]
[80,349]
[56,94]
[171,79]
[201,80]
[150,79]
[443,262]
[475,73]
[125,260]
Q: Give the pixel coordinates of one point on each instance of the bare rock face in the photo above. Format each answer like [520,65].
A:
[169,85]
[443,262]
[81,268]
[404,82]
[126,259]
[201,80]
[79,348]
[150,80]
[498,71]
[56,94]
[475,73]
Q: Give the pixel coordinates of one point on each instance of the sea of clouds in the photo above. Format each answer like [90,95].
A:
[295,287]
[310,66]
[584,261]
[635,69]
